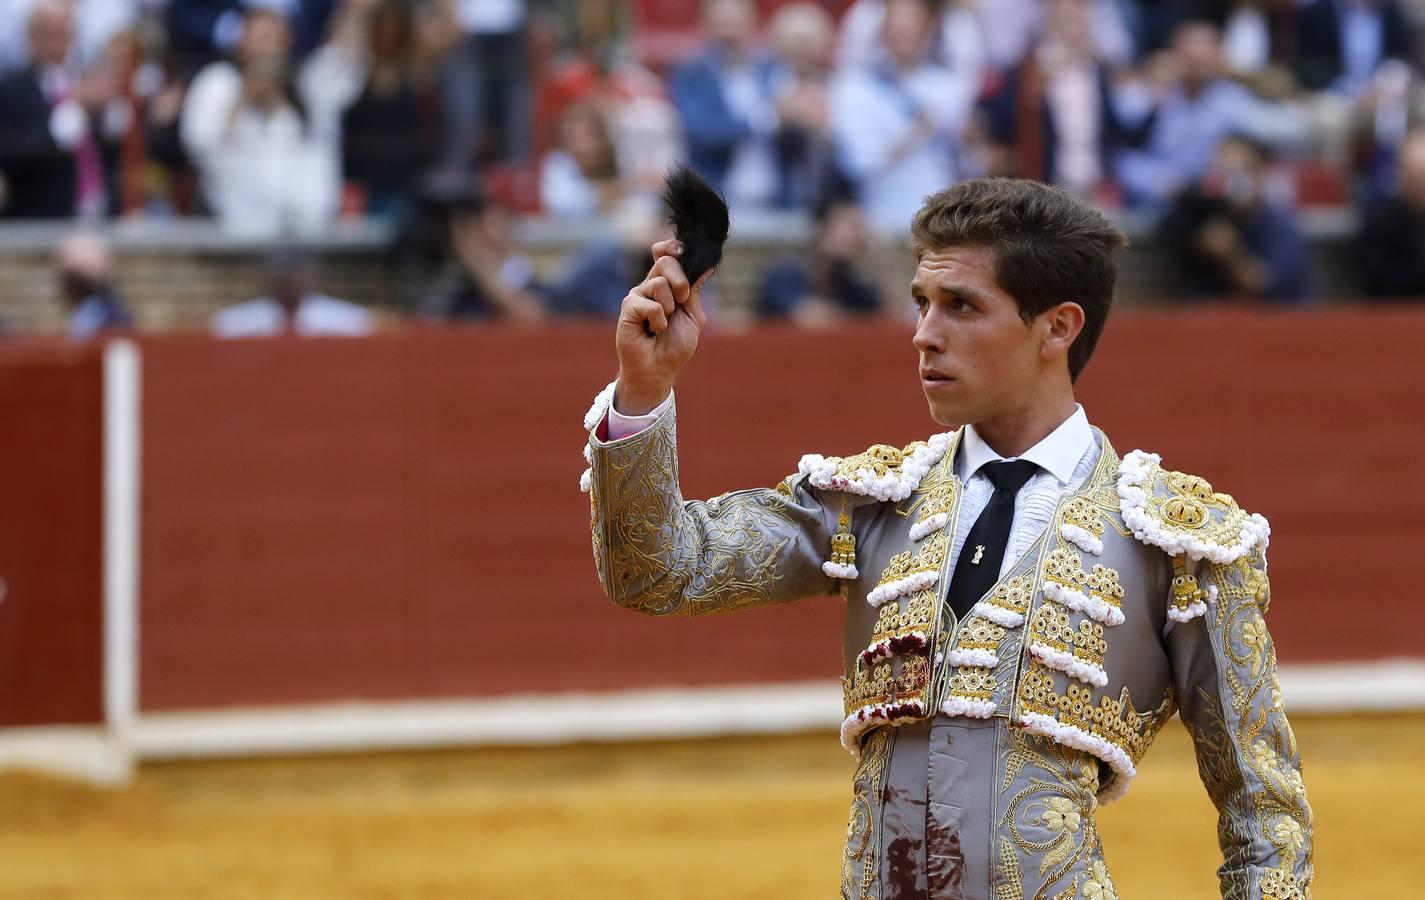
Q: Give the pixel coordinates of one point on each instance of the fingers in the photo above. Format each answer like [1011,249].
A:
[659,290]
[670,247]
[693,306]
[672,270]
[639,310]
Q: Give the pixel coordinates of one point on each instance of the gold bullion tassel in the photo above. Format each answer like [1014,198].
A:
[1188,598]
[843,546]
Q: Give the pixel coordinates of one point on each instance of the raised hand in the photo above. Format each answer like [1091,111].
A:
[658,327]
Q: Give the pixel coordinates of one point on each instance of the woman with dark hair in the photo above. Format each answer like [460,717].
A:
[580,176]
[265,135]
[390,133]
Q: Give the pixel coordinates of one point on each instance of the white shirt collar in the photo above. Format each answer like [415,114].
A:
[1059,453]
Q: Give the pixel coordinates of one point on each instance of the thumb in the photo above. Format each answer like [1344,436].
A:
[694,303]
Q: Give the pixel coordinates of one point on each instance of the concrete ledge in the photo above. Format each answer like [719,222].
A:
[175,274]
[99,756]
[87,754]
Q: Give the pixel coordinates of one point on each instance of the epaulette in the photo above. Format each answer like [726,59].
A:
[1182,515]
[881,472]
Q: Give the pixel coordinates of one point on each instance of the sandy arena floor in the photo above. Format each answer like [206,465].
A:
[714,819]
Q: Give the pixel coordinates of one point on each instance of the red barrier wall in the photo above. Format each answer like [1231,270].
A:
[51,543]
[399,516]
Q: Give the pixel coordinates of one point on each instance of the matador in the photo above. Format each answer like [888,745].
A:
[1025,607]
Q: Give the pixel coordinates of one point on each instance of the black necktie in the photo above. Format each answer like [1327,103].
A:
[977,569]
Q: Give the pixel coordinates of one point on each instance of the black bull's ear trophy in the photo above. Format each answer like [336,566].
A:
[699,218]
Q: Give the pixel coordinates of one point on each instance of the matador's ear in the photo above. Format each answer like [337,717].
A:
[699,218]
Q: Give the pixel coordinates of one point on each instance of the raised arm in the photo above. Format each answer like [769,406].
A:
[655,552]
[1230,700]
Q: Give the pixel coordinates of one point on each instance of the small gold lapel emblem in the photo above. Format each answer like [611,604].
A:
[979,554]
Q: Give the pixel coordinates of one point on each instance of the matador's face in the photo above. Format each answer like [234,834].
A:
[978,359]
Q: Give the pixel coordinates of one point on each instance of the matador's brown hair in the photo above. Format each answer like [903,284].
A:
[1049,247]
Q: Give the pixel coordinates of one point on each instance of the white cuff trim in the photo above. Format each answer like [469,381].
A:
[823,472]
[896,645]
[1005,618]
[926,527]
[1187,615]
[974,656]
[836,570]
[916,581]
[1069,664]
[1071,736]
[868,717]
[974,709]
[602,402]
[1082,538]
[1134,481]
[1095,608]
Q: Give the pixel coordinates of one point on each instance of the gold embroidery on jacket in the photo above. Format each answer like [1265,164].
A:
[1191,507]
[1082,512]
[665,557]
[860,859]
[1260,738]
[976,684]
[1057,808]
[1099,885]
[879,685]
[1115,721]
[1065,566]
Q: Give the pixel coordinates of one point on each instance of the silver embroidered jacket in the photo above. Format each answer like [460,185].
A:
[1143,597]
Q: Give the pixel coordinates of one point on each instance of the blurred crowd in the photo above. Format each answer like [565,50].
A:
[1216,121]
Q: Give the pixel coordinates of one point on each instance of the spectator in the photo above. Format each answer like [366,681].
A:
[58,126]
[1351,53]
[84,269]
[1189,105]
[267,149]
[478,272]
[580,177]
[832,282]
[897,124]
[803,36]
[485,84]
[1009,27]
[388,134]
[1234,235]
[1053,116]
[1340,43]
[724,97]
[203,31]
[139,81]
[958,43]
[1392,242]
[95,24]
[596,278]
[292,306]
[596,67]
[1256,34]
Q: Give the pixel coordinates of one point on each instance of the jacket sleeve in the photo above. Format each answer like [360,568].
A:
[659,554]
[1225,672]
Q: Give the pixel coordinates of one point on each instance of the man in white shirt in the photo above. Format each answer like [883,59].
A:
[293,306]
[1024,607]
[269,165]
[897,122]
